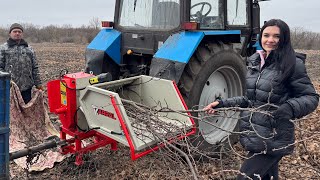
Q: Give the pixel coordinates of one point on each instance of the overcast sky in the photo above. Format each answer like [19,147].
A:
[297,13]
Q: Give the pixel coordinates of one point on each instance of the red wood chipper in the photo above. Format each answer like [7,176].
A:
[90,109]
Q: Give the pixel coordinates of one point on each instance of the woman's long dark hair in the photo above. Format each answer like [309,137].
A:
[284,54]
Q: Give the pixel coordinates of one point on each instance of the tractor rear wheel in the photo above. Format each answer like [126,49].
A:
[213,71]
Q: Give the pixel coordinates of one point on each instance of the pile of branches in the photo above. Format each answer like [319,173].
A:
[148,124]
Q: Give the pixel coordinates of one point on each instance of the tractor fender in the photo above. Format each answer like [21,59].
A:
[107,42]
[170,59]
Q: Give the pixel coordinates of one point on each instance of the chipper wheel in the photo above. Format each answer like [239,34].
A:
[213,71]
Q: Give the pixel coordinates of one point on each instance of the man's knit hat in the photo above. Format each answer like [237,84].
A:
[15,26]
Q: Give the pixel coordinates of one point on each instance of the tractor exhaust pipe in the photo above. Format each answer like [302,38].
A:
[256,17]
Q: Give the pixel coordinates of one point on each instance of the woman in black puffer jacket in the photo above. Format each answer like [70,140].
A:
[276,81]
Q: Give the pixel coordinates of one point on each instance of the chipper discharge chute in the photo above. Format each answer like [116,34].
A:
[128,111]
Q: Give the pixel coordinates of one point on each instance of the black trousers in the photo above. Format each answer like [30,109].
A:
[26,95]
[266,166]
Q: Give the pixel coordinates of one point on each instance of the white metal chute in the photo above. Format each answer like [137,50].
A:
[105,105]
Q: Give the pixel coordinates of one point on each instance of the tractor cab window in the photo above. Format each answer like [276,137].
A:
[237,12]
[209,13]
[150,14]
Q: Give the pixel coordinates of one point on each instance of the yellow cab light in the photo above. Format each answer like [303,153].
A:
[129,52]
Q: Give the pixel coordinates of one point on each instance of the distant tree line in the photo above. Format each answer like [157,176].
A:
[301,38]
[58,34]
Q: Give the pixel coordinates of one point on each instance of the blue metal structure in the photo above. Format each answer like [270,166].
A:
[4,124]
[187,42]
[108,41]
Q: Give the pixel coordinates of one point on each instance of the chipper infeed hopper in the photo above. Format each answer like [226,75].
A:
[140,112]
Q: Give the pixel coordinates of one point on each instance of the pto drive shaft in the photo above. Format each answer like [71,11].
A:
[52,143]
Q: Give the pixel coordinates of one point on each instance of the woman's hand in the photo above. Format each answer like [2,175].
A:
[284,112]
[209,109]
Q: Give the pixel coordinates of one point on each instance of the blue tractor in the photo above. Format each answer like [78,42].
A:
[201,44]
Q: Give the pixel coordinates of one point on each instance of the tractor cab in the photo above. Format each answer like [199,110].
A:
[146,24]
[168,15]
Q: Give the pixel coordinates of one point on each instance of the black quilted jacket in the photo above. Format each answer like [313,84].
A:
[262,133]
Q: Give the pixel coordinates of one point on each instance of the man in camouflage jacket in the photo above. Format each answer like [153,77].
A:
[19,59]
